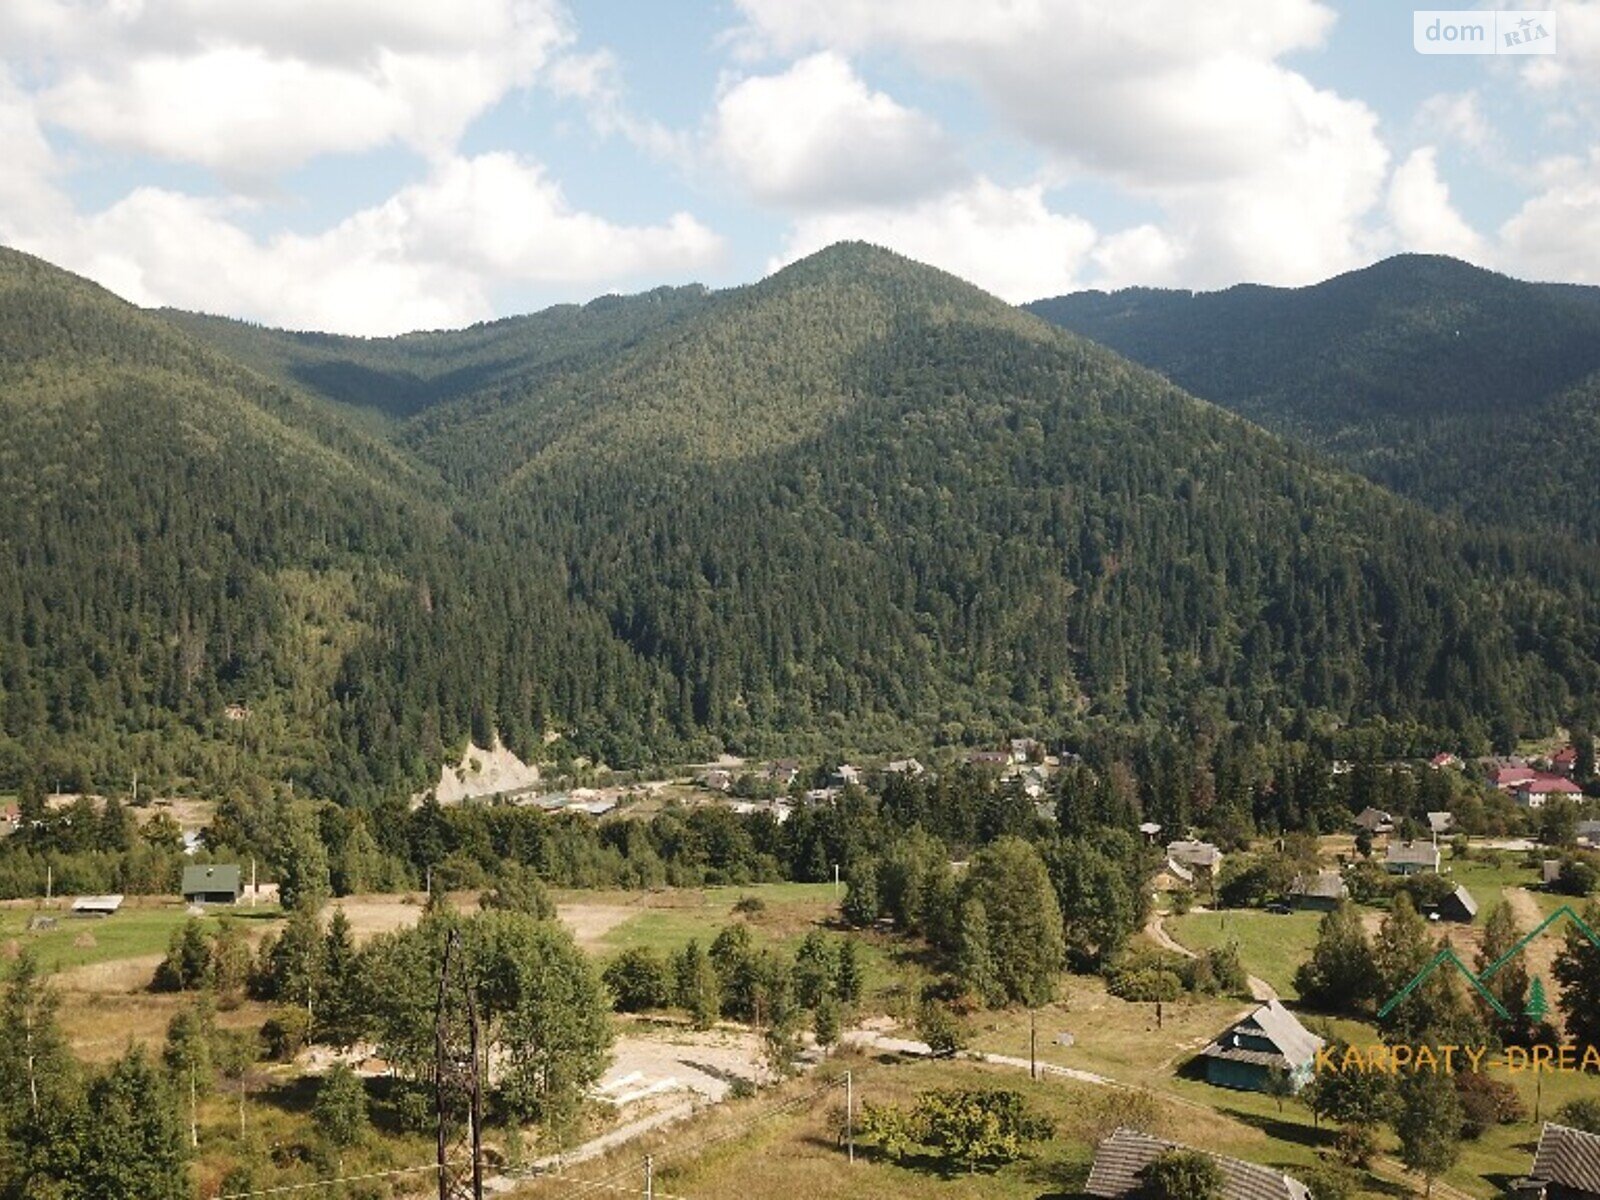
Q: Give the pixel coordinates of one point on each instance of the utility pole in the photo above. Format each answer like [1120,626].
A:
[458,1082]
[649,1178]
[1033,1046]
[49,882]
[850,1115]
[835,881]
[254,890]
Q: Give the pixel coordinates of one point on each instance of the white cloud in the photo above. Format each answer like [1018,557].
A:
[1144,256]
[431,256]
[1577,57]
[1457,116]
[1005,240]
[1556,232]
[252,89]
[816,136]
[1422,215]
[1261,174]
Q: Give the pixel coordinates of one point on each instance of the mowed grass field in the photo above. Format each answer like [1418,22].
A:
[141,929]
[1271,945]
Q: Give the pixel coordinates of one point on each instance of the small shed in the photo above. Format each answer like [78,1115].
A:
[1458,906]
[96,906]
[1441,822]
[213,883]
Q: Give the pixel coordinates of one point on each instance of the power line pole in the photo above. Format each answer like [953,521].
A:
[850,1115]
[649,1178]
[458,1082]
[1033,1045]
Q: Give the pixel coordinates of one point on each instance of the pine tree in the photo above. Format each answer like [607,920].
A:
[1509,985]
[974,962]
[849,979]
[1577,969]
[342,1010]
[133,1145]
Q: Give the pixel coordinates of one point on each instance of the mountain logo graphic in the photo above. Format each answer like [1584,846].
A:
[1447,957]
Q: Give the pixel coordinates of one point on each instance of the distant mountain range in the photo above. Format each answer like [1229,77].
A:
[860,504]
[1471,392]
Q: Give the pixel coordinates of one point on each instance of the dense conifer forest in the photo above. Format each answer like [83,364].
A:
[1471,392]
[858,505]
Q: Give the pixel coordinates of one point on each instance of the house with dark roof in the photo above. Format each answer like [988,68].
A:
[1195,854]
[1121,1159]
[1565,760]
[1588,833]
[1321,892]
[1375,820]
[1457,906]
[212,883]
[1566,1166]
[1244,1055]
[1411,858]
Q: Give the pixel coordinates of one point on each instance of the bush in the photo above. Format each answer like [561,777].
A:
[1356,1145]
[937,1026]
[1183,1175]
[284,1033]
[639,979]
[1487,1102]
[750,906]
[1580,1114]
[1147,985]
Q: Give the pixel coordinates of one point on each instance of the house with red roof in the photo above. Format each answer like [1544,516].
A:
[1535,792]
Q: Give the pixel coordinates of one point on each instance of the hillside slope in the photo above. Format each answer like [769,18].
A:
[857,504]
[1468,391]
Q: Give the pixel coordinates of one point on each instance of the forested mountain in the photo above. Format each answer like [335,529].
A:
[858,504]
[1469,391]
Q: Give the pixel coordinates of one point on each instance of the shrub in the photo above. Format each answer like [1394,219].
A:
[284,1033]
[1580,1114]
[639,979]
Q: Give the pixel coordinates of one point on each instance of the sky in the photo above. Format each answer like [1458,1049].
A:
[377,166]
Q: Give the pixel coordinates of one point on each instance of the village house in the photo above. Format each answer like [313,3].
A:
[1196,855]
[1172,877]
[717,780]
[1321,892]
[1151,831]
[996,759]
[783,772]
[847,775]
[1120,1160]
[1440,823]
[1244,1055]
[1535,792]
[1375,821]
[1443,759]
[1566,1166]
[904,766]
[1565,761]
[1411,858]
[1507,776]
[1025,749]
[1588,833]
[212,883]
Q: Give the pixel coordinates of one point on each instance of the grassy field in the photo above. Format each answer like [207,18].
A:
[138,931]
[1271,945]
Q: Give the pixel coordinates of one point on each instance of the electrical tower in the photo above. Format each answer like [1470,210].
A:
[458,1081]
